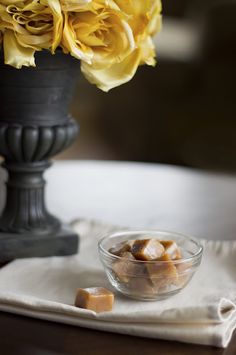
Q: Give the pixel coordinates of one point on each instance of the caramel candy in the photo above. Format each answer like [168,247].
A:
[171,249]
[142,285]
[121,248]
[123,268]
[147,249]
[184,273]
[164,274]
[97,299]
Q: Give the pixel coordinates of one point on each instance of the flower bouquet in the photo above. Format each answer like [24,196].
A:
[111,38]
[108,40]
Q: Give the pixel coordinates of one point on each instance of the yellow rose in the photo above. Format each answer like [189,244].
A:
[29,26]
[97,32]
[144,16]
[144,19]
[110,37]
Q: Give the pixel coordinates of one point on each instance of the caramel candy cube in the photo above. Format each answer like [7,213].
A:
[97,299]
[123,268]
[172,249]
[184,273]
[142,285]
[162,274]
[147,249]
[121,248]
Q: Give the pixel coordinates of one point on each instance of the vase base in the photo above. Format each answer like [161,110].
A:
[61,243]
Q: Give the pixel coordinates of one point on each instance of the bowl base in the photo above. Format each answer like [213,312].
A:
[148,298]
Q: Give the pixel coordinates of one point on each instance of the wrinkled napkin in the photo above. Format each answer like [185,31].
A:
[203,313]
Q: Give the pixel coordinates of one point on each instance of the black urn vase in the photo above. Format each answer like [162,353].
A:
[34,126]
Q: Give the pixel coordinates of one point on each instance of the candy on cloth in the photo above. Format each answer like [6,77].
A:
[97,299]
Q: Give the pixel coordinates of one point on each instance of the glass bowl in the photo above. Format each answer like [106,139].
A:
[150,280]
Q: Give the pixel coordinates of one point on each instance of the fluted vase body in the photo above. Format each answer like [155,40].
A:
[34,126]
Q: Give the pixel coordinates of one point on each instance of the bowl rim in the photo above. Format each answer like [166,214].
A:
[121,232]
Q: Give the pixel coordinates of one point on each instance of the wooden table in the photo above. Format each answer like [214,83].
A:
[137,195]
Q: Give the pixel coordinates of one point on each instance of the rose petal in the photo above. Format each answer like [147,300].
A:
[14,54]
[116,75]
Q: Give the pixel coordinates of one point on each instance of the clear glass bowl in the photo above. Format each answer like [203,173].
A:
[167,277]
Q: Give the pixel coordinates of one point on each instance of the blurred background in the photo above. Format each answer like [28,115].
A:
[180,112]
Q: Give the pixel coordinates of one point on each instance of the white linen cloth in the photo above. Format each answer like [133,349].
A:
[203,313]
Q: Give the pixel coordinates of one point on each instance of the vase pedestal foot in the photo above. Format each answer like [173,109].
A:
[60,243]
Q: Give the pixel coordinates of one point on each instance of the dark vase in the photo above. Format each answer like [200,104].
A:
[34,126]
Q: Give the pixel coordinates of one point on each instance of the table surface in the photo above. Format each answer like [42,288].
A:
[129,194]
